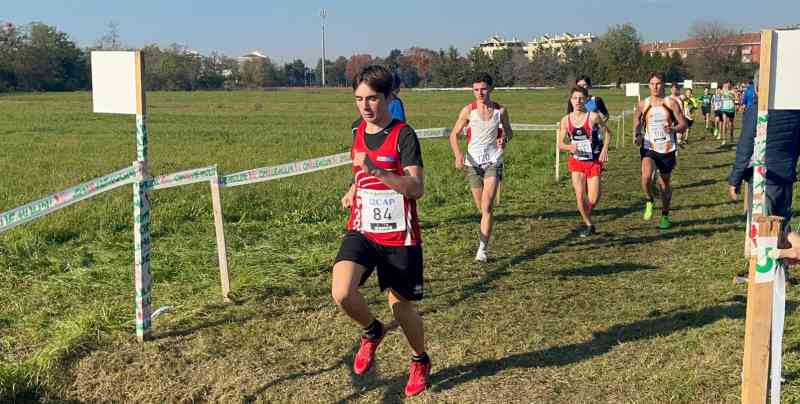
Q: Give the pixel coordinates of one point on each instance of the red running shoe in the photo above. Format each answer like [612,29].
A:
[418,375]
[366,353]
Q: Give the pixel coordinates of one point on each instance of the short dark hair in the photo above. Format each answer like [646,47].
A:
[377,77]
[579,90]
[585,78]
[674,84]
[657,75]
[483,77]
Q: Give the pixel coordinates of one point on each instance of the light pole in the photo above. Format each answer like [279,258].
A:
[323,14]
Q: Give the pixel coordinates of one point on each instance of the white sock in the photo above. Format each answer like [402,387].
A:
[482,245]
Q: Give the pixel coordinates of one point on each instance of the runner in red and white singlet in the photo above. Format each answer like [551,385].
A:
[383,230]
[587,154]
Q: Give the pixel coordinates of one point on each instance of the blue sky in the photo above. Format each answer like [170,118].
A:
[291,29]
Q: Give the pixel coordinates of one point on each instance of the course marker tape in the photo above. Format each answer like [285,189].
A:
[284,170]
[186,177]
[60,200]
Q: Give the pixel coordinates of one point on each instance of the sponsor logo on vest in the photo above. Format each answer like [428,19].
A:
[386,159]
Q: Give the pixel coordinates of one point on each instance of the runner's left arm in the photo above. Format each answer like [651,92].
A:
[678,114]
[508,133]
[601,122]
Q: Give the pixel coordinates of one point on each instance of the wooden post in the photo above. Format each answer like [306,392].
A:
[758,323]
[497,194]
[222,253]
[558,154]
[619,129]
[141,212]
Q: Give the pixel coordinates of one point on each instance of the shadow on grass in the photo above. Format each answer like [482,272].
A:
[601,343]
[698,184]
[593,244]
[602,270]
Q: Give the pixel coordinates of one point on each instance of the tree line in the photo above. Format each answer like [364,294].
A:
[39,57]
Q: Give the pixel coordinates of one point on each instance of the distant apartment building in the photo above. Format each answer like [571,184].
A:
[748,43]
[496,43]
[558,43]
[252,56]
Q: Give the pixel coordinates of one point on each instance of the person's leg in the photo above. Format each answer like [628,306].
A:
[490,185]
[344,288]
[648,166]
[665,185]
[648,172]
[475,181]
[477,194]
[579,185]
[688,131]
[725,124]
[594,191]
[400,275]
[407,315]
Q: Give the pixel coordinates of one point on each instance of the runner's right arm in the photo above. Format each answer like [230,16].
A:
[637,123]
[461,123]
[347,199]
[562,133]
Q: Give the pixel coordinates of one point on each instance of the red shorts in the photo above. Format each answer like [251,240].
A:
[589,168]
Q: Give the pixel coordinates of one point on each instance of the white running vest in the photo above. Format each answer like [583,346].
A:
[655,137]
[482,139]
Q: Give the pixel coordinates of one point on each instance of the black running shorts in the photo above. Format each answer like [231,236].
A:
[665,163]
[399,268]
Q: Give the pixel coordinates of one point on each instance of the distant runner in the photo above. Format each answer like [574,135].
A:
[689,106]
[486,140]
[716,104]
[728,112]
[675,95]
[705,106]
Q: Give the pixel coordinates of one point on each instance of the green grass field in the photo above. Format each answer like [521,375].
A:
[631,315]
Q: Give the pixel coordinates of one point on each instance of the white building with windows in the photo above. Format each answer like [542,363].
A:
[558,43]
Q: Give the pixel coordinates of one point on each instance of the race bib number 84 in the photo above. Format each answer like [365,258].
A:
[382,211]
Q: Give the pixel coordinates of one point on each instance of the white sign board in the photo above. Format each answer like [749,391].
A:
[687,84]
[714,85]
[631,89]
[114,82]
[785,80]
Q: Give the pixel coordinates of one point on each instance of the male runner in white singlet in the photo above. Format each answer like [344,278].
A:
[656,123]
[488,131]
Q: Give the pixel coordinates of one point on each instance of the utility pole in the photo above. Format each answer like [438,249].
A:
[323,14]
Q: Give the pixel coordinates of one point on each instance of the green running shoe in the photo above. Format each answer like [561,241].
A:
[664,223]
[648,211]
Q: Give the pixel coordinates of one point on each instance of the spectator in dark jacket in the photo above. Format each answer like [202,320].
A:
[783,149]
